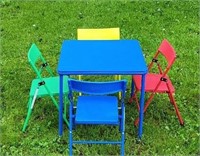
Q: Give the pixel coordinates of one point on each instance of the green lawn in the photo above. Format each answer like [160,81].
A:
[48,23]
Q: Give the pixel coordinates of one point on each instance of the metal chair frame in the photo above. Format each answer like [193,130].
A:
[43,86]
[91,91]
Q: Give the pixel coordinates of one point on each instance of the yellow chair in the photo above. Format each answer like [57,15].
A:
[99,34]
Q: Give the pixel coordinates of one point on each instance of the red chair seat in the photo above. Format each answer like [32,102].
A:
[151,81]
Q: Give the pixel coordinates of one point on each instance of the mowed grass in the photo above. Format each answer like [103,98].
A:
[48,23]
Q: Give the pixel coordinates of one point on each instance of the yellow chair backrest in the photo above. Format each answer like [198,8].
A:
[99,34]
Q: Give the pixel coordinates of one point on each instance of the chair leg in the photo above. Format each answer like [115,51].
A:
[118,77]
[145,107]
[73,122]
[56,104]
[30,107]
[54,101]
[132,91]
[136,100]
[79,78]
[122,144]
[120,94]
[28,114]
[70,143]
[122,125]
[170,98]
[65,110]
[29,101]
[70,129]
[131,99]
[65,106]
[176,109]
[134,97]
[66,121]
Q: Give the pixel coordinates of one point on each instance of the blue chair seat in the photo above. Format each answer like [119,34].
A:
[97,110]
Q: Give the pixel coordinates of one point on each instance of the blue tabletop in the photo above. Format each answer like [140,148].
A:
[103,57]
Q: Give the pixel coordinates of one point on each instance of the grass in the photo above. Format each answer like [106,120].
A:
[48,23]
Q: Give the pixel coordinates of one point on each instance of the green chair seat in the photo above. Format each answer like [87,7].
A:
[52,83]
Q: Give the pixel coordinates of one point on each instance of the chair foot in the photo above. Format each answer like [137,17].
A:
[138,141]
[178,115]
[25,126]
[27,120]
[24,129]
[182,124]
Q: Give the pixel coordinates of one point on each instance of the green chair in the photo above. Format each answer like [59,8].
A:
[43,86]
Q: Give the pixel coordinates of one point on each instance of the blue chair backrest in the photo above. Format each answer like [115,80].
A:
[97,88]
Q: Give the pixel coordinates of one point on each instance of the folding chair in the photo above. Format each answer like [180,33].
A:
[158,82]
[96,106]
[99,34]
[40,87]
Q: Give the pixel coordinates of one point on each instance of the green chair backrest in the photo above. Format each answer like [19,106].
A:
[34,57]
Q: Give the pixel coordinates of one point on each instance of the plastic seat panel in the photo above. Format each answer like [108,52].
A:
[151,81]
[52,83]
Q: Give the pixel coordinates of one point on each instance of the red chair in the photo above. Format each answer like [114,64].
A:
[158,82]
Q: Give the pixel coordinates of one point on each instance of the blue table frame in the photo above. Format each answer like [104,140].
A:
[101,57]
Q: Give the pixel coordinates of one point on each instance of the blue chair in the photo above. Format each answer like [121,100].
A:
[97,105]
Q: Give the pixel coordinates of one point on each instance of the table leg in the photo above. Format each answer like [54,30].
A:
[132,87]
[61,107]
[141,113]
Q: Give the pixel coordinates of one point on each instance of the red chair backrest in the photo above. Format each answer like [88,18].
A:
[168,51]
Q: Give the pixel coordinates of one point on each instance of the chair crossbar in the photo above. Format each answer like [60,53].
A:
[96,142]
[76,107]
